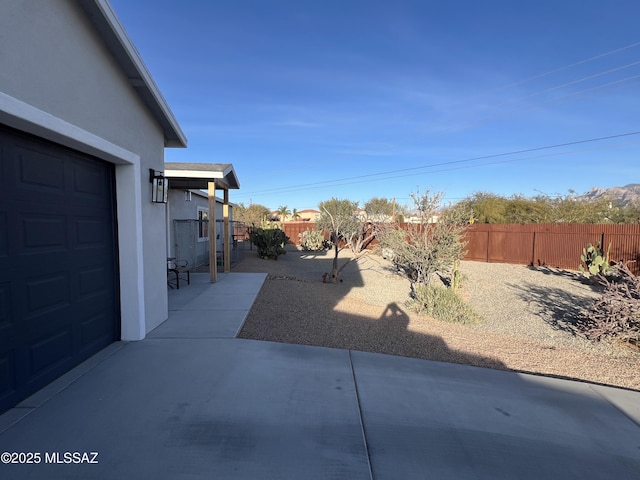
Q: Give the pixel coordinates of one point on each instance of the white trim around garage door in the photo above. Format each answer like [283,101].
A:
[22,116]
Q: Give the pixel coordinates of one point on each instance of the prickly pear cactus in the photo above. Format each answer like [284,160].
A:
[593,260]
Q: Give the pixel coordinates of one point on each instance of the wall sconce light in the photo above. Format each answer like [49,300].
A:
[159,186]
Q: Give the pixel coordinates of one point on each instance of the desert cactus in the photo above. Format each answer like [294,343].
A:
[594,261]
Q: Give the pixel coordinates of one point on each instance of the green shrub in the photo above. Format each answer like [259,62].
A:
[441,303]
[313,240]
[269,242]
[420,250]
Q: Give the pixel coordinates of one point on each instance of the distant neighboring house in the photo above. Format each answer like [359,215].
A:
[188,229]
[414,217]
[309,215]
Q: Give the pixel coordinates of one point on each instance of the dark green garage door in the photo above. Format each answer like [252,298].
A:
[58,262]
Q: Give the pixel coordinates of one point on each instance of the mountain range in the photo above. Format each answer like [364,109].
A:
[629,194]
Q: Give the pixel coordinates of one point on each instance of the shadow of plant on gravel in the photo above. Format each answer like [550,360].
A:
[558,308]
[294,306]
[282,312]
[589,282]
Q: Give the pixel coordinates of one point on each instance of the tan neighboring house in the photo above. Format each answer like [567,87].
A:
[308,215]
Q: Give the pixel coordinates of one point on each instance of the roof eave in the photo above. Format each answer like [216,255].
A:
[191,175]
[101,14]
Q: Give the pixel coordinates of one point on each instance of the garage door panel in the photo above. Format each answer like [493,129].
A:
[59,299]
[4,235]
[89,183]
[7,374]
[43,233]
[91,283]
[37,172]
[94,331]
[47,294]
[5,306]
[91,232]
[48,353]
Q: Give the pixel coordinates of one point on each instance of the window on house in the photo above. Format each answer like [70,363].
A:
[203,224]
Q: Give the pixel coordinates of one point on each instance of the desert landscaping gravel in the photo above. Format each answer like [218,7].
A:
[528,316]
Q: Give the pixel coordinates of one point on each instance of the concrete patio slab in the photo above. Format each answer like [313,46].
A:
[456,422]
[172,409]
[201,324]
[225,301]
[191,402]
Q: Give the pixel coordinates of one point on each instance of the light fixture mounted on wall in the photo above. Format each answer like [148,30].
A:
[159,186]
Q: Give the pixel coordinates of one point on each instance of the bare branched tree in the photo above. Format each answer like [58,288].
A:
[434,243]
[347,227]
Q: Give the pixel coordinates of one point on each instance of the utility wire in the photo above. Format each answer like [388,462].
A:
[516,112]
[533,95]
[423,167]
[296,189]
[495,106]
[571,65]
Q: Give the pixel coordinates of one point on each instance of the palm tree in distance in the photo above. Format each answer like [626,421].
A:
[283,212]
[295,215]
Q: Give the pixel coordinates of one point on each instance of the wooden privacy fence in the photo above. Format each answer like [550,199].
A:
[552,244]
[294,229]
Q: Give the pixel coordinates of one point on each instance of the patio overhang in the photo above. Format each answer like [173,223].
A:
[208,176]
[198,175]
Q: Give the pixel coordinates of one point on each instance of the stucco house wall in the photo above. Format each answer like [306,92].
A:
[186,207]
[60,82]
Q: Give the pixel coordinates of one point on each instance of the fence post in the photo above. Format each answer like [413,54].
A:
[533,250]
[488,240]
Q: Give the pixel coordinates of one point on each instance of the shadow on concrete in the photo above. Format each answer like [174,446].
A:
[205,406]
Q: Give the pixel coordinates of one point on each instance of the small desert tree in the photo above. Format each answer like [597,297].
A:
[434,244]
[381,209]
[255,215]
[347,227]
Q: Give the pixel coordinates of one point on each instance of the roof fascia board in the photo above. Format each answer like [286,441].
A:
[192,174]
[230,172]
[102,14]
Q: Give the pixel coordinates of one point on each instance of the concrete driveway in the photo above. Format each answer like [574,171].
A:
[193,402]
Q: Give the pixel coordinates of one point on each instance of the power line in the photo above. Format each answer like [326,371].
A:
[375,176]
[480,116]
[335,182]
[571,65]
[295,189]
[496,106]
[460,167]
[513,113]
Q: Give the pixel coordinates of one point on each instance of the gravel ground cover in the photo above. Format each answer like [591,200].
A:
[529,316]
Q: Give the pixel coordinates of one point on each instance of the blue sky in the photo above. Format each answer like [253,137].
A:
[354,99]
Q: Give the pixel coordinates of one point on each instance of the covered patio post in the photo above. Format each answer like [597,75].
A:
[227,236]
[213,255]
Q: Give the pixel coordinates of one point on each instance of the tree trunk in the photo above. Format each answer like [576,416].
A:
[334,268]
